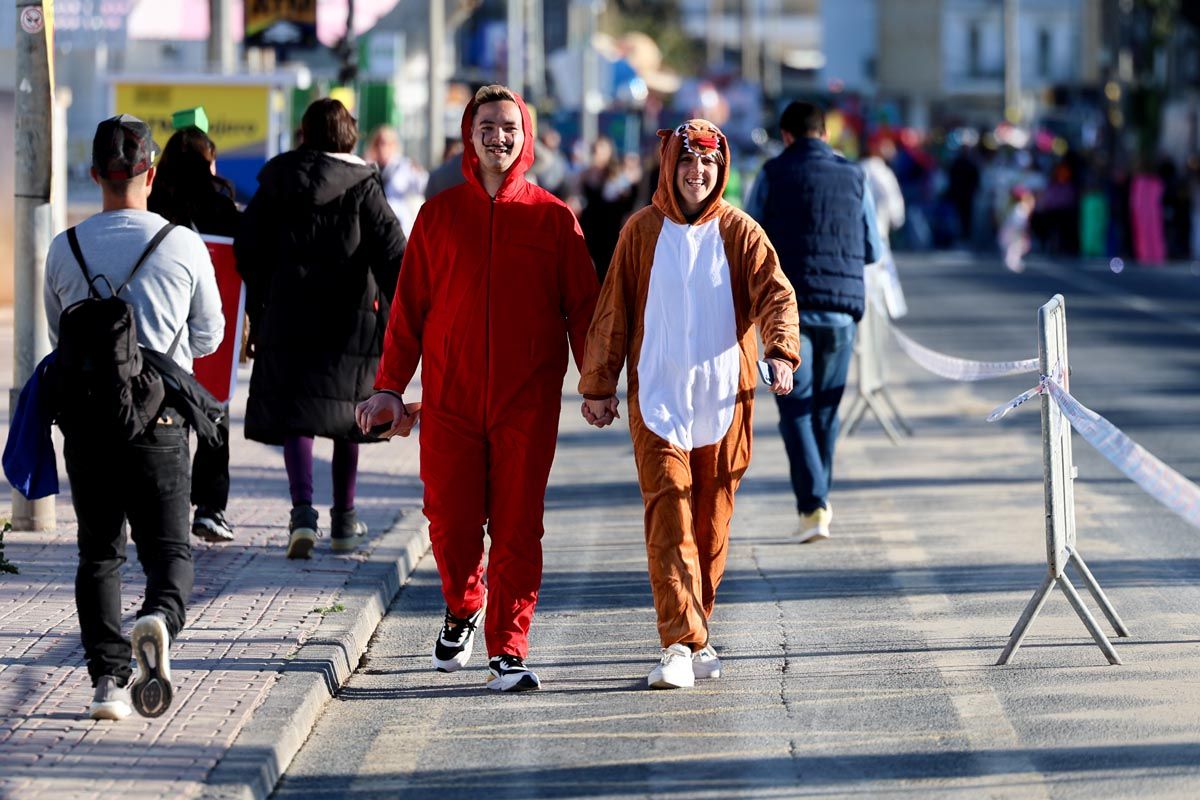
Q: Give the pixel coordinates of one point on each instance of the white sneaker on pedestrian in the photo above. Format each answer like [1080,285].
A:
[814,526]
[452,649]
[705,663]
[674,670]
[508,673]
[110,701]
[151,686]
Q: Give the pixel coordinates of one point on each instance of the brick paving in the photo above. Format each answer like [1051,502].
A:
[250,610]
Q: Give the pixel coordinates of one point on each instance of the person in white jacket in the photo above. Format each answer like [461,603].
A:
[889,202]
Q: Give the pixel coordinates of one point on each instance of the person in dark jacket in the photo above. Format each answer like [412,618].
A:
[818,212]
[320,251]
[189,192]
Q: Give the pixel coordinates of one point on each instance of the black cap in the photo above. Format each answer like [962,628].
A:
[123,148]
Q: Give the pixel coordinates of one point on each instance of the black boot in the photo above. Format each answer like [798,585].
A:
[302,532]
[346,532]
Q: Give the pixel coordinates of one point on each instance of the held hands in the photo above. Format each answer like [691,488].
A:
[383,408]
[600,412]
[782,371]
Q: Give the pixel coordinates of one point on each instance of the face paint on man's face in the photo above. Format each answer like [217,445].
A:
[497,135]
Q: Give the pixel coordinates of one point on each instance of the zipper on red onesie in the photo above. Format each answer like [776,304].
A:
[487,317]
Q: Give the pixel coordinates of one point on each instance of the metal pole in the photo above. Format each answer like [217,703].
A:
[1099,596]
[589,127]
[1027,616]
[437,88]
[516,45]
[751,54]
[1012,61]
[63,98]
[34,141]
[715,29]
[535,25]
[1088,620]
[221,55]
[772,77]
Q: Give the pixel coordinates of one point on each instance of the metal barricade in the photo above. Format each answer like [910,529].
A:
[870,372]
[1059,475]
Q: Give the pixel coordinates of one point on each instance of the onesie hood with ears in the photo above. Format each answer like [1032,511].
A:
[701,132]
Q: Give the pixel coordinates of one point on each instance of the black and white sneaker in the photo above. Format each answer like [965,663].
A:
[509,674]
[452,650]
[211,526]
[151,687]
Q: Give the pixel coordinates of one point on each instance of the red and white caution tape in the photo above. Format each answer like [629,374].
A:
[1140,465]
[959,369]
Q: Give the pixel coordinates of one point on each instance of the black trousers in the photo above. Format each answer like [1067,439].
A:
[145,482]
[210,471]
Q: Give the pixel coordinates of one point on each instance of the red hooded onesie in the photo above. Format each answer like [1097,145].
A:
[490,291]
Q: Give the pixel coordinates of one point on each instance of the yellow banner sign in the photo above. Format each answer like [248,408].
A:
[238,116]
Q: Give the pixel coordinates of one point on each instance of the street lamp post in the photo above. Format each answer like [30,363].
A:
[715,31]
[1012,61]
[220,44]
[516,45]
[34,140]
[437,88]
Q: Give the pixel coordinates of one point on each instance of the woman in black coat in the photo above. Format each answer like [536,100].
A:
[320,251]
[188,192]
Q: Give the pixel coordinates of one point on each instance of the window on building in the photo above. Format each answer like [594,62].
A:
[1044,53]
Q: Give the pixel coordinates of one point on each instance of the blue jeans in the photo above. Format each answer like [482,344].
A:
[808,416]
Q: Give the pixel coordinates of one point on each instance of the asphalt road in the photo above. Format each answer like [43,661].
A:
[863,665]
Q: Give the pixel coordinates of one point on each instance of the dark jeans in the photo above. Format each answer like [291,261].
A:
[210,472]
[808,416]
[145,482]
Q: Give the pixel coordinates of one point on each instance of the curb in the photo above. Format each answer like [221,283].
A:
[265,747]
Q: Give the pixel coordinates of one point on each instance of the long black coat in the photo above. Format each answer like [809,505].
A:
[320,250]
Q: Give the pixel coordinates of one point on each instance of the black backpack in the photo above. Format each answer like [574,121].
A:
[101,386]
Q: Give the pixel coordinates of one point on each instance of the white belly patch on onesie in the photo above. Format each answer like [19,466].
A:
[690,362]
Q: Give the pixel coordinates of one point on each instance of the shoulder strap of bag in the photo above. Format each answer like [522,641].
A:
[150,248]
[175,344]
[73,240]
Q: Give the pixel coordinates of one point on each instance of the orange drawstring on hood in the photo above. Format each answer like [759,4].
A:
[666,197]
[470,160]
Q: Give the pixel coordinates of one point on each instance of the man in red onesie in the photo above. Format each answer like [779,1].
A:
[496,279]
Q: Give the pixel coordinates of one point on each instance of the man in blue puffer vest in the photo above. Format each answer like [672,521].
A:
[818,212]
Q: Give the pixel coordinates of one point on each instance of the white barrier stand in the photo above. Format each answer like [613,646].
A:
[872,391]
[1059,475]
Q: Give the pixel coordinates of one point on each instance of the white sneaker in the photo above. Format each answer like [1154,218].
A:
[674,670]
[705,663]
[452,649]
[110,700]
[150,688]
[508,673]
[814,526]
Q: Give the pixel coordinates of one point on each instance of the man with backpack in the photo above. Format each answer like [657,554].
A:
[125,438]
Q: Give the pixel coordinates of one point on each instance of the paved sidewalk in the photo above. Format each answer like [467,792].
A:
[249,613]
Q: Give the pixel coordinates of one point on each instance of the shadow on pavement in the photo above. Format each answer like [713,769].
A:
[745,776]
